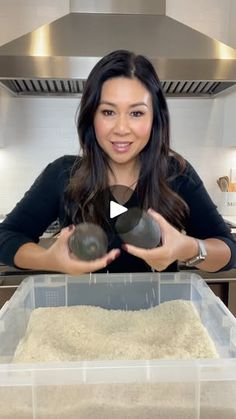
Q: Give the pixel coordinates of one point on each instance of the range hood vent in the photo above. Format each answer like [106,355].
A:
[55,59]
[54,87]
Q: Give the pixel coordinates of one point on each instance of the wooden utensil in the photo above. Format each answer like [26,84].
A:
[232,187]
[223,182]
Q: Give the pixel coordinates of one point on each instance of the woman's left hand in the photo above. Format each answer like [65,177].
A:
[175,246]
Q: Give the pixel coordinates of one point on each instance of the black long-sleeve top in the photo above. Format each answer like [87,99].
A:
[43,203]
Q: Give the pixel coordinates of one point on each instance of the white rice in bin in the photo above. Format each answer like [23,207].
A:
[172,330]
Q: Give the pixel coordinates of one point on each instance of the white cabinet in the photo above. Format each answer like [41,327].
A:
[229,126]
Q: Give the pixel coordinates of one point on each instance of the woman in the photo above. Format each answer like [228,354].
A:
[123,127]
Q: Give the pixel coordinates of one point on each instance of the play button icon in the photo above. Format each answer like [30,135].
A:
[120,195]
[116,209]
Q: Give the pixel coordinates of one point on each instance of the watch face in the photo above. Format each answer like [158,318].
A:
[193,262]
[199,259]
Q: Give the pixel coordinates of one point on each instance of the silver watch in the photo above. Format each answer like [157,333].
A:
[202,253]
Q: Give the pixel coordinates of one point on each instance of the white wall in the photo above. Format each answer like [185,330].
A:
[215,18]
[232,26]
[197,133]
[36,131]
[17,17]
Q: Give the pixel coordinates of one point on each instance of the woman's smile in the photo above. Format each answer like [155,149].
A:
[121,147]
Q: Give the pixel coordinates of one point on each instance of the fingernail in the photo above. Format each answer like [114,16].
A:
[124,246]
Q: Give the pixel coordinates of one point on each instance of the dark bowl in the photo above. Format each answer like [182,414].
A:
[88,242]
[138,228]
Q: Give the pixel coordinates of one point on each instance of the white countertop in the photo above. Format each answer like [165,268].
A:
[230,218]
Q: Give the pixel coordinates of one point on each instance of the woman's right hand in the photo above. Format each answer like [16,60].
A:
[61,259]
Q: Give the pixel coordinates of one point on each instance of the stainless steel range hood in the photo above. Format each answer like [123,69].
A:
[57,58]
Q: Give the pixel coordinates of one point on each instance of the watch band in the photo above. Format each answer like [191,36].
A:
[202,253]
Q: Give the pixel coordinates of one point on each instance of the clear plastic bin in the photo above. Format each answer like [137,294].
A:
[172,389]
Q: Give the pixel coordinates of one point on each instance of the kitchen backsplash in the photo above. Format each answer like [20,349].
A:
[35,131]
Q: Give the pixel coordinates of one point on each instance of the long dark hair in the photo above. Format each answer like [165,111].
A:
[85,193]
